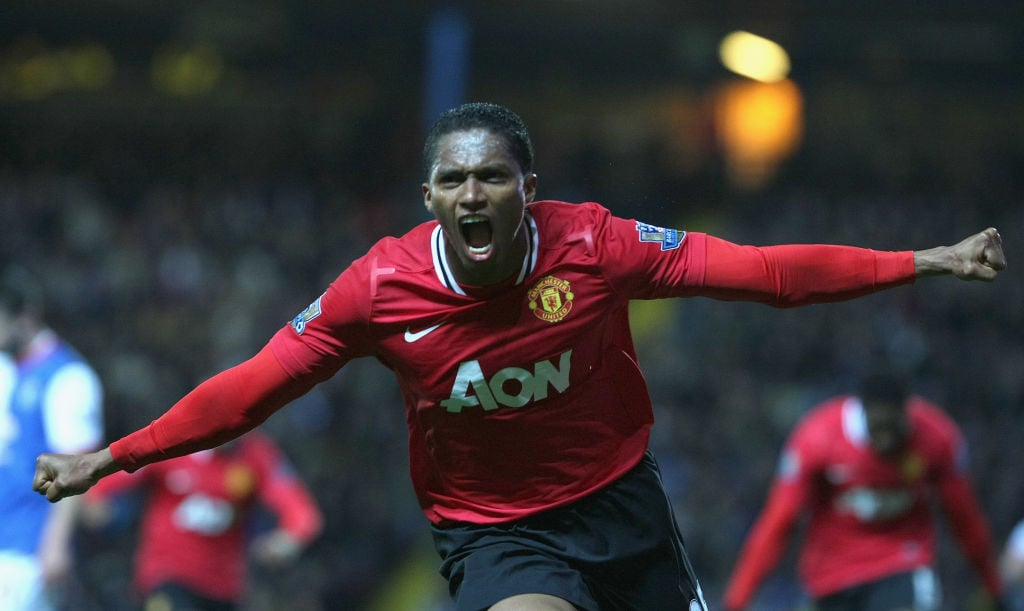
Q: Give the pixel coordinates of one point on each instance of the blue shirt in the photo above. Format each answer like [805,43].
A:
[50,401]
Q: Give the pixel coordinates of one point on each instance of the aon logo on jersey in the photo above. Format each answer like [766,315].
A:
[871,505]
[509,387]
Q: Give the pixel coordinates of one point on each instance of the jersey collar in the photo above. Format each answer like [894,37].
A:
[855,423]
[444,269]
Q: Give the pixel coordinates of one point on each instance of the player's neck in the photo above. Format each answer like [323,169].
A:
[493,272]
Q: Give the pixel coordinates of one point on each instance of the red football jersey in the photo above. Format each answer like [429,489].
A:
[521,396]
[527,395]
[192,527]
[868,517]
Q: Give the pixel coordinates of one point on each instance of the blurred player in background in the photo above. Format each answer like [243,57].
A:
[1011,566]
[865,468]
[50,401]
[506,323]
[193,534]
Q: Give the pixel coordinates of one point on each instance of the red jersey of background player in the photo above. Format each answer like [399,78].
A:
[527,395]
[869,517]
[192,530]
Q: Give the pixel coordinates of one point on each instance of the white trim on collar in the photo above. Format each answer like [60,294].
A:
[855,423]
[530,260]
[444,270]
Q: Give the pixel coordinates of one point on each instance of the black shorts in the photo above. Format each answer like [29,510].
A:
[916,590]
[618,549]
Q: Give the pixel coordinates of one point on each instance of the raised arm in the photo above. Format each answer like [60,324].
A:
[218,410]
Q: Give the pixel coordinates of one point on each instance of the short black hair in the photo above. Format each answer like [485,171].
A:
[888,386]
[20,292]
[484,115]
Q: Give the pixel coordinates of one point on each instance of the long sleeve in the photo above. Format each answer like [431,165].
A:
[800,274]
[765,543]
[218,410]
[968,526]
[286,495]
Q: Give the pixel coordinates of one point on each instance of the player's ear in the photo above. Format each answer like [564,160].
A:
[427,203]
[530,186]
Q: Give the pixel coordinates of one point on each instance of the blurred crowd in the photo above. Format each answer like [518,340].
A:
[169,256]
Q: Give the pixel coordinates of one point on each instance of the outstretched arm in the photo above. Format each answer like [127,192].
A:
[765,543]
[799,274]
[218,410]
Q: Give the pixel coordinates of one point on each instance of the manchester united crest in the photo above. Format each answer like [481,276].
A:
[912,467]
[239,480]
[551,299]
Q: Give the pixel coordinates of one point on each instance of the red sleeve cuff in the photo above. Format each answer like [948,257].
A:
[895,267]
[130,452]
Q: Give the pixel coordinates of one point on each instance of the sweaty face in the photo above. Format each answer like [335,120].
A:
[478,193]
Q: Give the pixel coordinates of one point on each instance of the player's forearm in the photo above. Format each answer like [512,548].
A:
[765,544]
[799,274]
[968,525]
[301,517]
[759,556]
[976,543]
[204,418]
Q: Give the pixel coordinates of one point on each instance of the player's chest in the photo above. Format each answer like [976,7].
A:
[231,481]
[523,332]
[853,467]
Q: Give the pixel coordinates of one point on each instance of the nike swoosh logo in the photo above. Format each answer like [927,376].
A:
[411,337]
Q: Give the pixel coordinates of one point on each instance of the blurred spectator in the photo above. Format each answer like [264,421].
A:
[192,547]
[51,401]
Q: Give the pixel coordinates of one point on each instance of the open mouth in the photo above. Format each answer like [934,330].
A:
[476,232]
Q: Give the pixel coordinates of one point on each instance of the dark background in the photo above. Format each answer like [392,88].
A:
[189,175]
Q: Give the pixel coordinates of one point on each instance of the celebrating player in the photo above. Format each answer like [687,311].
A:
[865,467]
[505,322]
